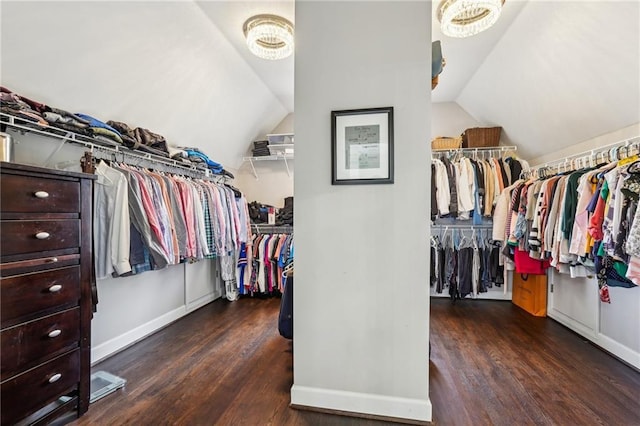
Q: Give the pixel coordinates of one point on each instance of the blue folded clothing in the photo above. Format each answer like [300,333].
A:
[215,167]
[94,122]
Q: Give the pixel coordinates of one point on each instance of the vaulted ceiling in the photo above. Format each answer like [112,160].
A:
[551,73]
[563,72]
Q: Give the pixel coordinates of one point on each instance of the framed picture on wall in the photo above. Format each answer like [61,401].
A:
[362,146]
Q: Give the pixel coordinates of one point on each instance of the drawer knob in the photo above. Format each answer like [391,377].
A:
[42,235]
[42,194]
[55,288]
[55,378]
[55,333]
[53,260]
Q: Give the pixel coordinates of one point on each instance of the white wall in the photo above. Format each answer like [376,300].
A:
[272,185]
[564,72]
[361,304]
[450,119]
[159,65]
[268,182]
[286,125]
[575,302]
[608,138]
[615,327]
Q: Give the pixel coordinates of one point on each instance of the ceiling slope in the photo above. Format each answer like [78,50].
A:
[464,56]
[563,72]
[162,65]
[229,17]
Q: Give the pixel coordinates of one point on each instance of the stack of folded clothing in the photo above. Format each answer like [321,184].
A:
[261,148]
[19,106]
[141,139]
[67,121]
[198,157]
[101,131]
[111,132]
[285,214]
[178,154]
[181,154]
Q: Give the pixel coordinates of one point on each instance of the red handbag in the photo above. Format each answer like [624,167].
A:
[525,264]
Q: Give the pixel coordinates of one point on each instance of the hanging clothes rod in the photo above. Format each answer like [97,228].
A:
[475,153]
[261,228]
[462,226]
[95,146]
[103,153]
[594,154]
[501,148]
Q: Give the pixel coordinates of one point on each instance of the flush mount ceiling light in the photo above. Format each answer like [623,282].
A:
[269,36]
[464,18]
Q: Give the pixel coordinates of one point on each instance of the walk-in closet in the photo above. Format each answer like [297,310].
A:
[465,252]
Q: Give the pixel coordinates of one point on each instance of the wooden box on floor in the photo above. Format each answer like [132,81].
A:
[530,293]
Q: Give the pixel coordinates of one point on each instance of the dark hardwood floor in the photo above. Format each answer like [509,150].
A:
[494,364]
[491,364]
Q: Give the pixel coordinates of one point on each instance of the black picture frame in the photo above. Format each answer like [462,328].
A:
[362,146]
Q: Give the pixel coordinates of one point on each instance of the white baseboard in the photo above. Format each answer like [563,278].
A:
[615,348]
[120,342]
[621,351]
[362,403]
[490,295]
[200,302]
[571,323]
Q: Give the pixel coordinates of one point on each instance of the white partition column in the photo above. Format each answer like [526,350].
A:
[361,300]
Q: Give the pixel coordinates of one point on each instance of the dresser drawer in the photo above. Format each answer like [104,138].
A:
[31,343]
[25,393]
[38,235]
[27,296]
[27,194]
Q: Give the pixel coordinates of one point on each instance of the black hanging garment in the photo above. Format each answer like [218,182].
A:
[285,318]
[465,266]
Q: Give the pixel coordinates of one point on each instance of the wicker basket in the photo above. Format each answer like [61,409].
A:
[442,142]
[480,137]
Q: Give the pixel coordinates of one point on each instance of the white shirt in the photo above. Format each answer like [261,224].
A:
[111,223]
[443,191]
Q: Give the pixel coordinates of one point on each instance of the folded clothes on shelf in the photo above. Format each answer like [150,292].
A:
[197,156]
[110,132]
[14,104]
[141,139]
[97,127]
[260,149]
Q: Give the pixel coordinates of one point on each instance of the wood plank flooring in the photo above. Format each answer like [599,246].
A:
[491,364]
[494,364]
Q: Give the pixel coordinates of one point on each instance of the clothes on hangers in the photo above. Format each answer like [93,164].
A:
[585,222]
[467,188]
[271,254]
[111,224]
[463,265]
[154,219]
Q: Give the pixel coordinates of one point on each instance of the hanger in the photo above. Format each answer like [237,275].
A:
[626,151]
[463,241]
[288,270]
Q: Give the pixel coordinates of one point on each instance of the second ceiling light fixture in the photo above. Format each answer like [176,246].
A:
[464,18]
[269,36]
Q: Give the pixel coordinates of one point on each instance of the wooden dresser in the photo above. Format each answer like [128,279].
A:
[45,283]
